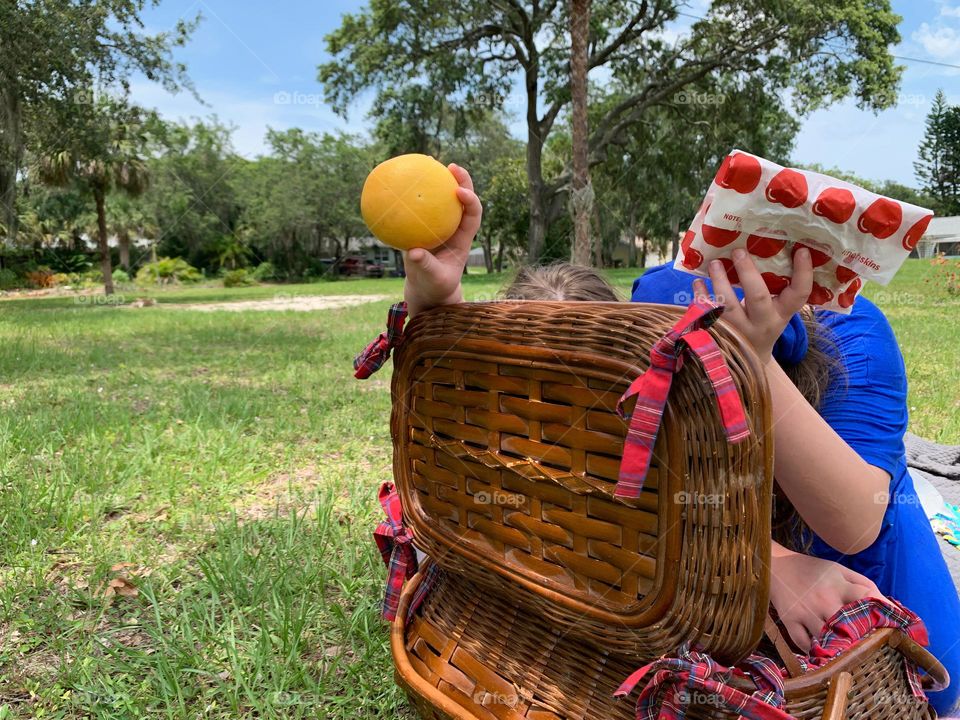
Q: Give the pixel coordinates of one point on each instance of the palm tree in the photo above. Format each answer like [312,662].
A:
[103,155]
[581,191]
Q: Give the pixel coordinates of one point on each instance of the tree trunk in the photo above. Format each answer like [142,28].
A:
[124,240]
[537,231]
[487,252]
[105,267]
[11,155]
[581,191]
[631,248]
[675,236]
[500,255]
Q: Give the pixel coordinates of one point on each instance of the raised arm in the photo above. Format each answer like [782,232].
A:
[833,489]
[433,276]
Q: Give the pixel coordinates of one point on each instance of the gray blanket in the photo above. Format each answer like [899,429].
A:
[940,464]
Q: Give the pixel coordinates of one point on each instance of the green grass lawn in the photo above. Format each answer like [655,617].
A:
[225,466]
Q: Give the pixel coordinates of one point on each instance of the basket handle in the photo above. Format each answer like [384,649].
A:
[773,633]
[936,674]
[837,696]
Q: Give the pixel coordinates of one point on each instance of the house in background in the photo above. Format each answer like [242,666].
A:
[942,236]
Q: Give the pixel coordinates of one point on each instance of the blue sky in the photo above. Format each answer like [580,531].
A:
[254,64]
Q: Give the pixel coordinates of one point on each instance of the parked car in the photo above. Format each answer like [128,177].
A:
[357,266]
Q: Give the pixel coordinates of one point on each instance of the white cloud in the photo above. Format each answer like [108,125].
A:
[949,10]
[941,42]
[251,114]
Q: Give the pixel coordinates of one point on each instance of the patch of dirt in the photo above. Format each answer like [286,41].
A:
[279,494]
[299,303]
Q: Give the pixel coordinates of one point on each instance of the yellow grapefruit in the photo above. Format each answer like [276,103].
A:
[411,201]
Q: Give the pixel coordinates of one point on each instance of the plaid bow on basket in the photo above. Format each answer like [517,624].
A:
[378,352]
[395,544]
[694,678]
[687,336]
[396,548]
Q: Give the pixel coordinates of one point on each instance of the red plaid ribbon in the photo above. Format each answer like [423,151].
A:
[855,620]
[396,548]
[694,678]
[651,389]
[378,352]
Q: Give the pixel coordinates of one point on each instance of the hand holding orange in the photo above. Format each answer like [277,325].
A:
[410,201]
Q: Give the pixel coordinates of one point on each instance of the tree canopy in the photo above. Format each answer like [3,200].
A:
[473,53]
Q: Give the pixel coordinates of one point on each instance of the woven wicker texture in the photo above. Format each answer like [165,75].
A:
[474,655]
[507,448]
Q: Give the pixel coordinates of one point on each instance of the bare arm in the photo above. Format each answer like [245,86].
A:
[837,493]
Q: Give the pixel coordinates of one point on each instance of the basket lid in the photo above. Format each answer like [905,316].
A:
[507,448]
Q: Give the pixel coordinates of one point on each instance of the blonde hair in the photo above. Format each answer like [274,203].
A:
[559,281]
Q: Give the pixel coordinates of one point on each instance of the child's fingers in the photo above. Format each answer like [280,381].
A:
[463,177]
[755,291]
[795,295]
[422,263]
[723,291]
[700,290]
[472,209]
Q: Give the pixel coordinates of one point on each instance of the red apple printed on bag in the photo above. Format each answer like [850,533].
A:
[718,237]
[687,241]
[789,188]
[692,259]
[739,172]
[776,284]
[819,295]
[845,274]
[730,269]
[764,247]
[882,219]
[846,298]
[817,257]
[914,234]
[835,204]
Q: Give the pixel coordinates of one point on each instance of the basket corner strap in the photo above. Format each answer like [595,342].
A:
[687,338]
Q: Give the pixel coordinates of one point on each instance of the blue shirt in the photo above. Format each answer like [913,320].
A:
[867,407]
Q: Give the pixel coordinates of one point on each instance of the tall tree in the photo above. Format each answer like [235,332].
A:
[824,50]
[938,166]
[581,191]
[101,151]
[53,51]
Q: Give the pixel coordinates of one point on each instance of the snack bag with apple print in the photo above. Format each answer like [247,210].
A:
[853,235]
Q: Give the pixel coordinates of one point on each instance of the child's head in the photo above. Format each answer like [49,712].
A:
[559,281]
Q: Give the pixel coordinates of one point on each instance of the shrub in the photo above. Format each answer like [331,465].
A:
[120,276]
[238,278]
[265,271]
[168,270]
[8,279]
[41,278]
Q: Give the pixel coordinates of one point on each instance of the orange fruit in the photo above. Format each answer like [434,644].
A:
[411,201]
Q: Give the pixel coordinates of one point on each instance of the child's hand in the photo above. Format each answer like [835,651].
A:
[807,591]
[433,276]
[760,317]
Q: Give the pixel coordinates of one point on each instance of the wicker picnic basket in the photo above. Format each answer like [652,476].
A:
[507,447]
[470,655]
